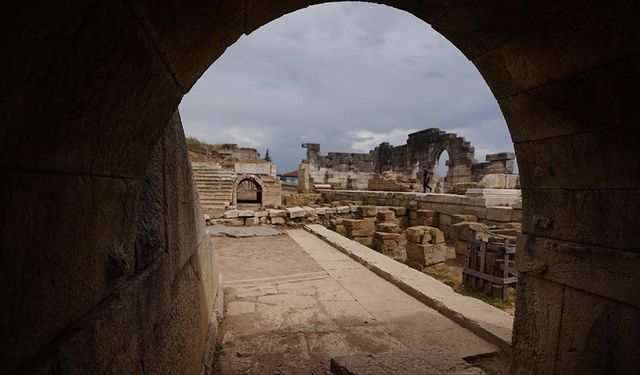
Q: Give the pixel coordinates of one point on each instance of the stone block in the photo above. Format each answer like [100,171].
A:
[426,255]
[261,214]
[444,219]
[358,224]
[413,215]
[385,236]
[537,325]
[460,218]
[245,213]
[278,220]
[403,221]
[425,217]
[329,211]
[367,211]
[251,221]
[415,234]
[296,212]
[478,211]
[277,213]
[424,205]
[437,236]
[343,209]
[309,210]
[461,231]
[263,219]
[398,210]
[499,213]
[353,209]
[320,210]
[385,216]
[232,214]
[387,227]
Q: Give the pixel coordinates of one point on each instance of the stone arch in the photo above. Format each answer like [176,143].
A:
[254,180]
[429,144]
[91,86]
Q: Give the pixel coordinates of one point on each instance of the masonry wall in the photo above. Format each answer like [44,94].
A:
[491,209]
[130,286]
[422,151]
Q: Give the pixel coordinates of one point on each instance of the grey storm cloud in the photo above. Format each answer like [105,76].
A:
[346,75]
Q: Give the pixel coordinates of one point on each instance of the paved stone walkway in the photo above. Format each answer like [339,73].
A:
[220,230]
[292,303]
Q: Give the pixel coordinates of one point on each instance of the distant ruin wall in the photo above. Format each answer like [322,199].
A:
[422,151]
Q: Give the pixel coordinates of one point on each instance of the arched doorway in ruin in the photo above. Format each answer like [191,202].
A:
[442,184]
[90,88]
[247,191]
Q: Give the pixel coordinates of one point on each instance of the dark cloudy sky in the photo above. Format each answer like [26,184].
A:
[346,75]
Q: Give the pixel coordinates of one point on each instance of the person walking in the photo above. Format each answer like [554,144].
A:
[425,180]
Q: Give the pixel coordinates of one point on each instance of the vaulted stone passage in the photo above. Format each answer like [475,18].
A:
[90,282]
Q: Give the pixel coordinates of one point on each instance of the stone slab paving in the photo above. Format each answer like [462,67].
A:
[293,302]
[427,361]
[487,321]
[219,230]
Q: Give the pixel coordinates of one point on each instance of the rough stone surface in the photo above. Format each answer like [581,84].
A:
[231,214]
[277,213]
[256,231]
[296,212]
[486,320]
[245,213]
[502,214]
[385,216]
[420,256]
[367,211]
[426,361]
[308,302]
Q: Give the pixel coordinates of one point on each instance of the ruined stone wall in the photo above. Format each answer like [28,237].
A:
[493,207]
[135,296]
[423,150]
[339,161]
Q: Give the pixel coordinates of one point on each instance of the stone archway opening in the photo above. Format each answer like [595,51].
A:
[86,120]
[442,180]
[248,191]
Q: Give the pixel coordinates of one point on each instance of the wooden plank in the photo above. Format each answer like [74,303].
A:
[471,280]
[480,266]
[493,279]
[489,269]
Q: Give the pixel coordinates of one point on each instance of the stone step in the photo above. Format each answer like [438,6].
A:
[211,175]
[210,171]
[214,180]
[214,188]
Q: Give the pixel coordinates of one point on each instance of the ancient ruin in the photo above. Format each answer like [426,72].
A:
[227,176]
[107,267]
[401,168]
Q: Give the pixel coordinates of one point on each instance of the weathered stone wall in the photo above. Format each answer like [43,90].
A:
[131,285]
[497,207]
[422,151]
[340,161]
